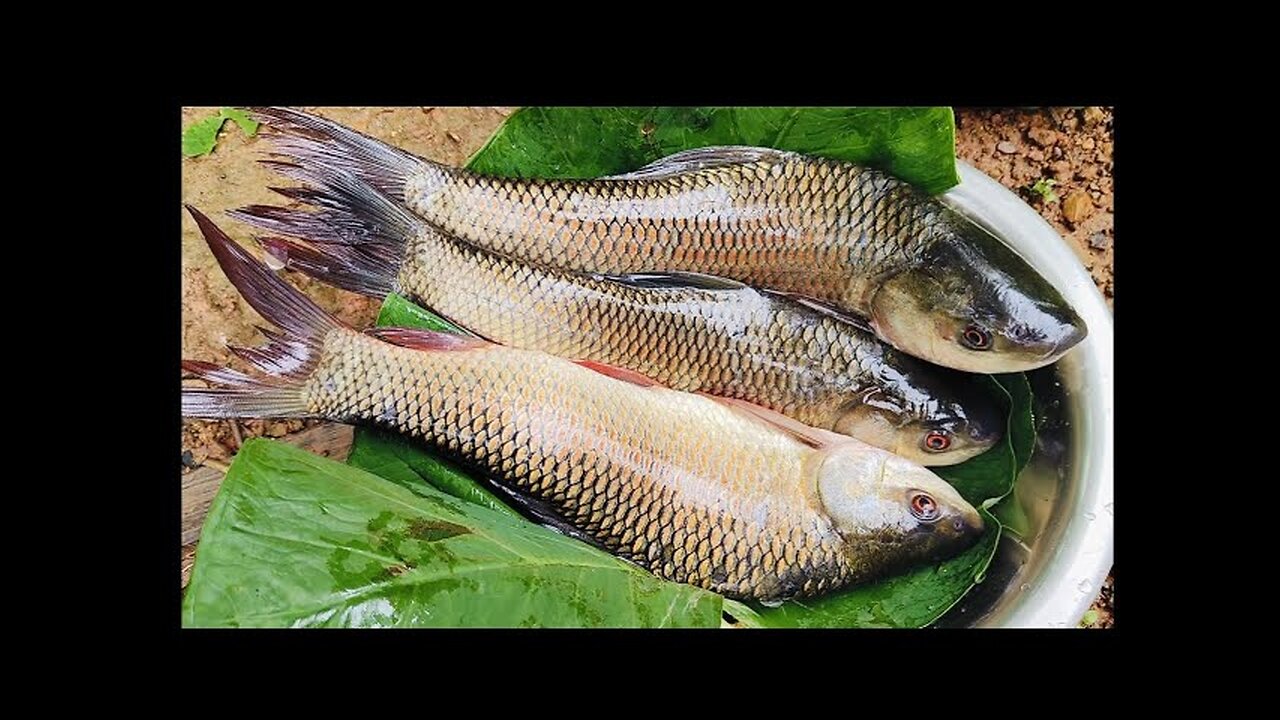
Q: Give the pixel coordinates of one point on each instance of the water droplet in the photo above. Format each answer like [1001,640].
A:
[1091,515]
[1024,587]
[1110,508]
[1084,586]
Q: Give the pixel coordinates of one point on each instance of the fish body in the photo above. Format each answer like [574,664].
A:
[688,332]
[695,490]
[925,278]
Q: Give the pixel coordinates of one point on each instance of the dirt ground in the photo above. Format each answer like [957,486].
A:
[1071,146]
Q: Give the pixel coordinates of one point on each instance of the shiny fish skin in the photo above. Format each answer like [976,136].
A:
[693,333]
[683,485]
[926,279]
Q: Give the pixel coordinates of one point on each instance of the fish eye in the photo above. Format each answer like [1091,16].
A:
[937,441]
[975,338]
[924,506]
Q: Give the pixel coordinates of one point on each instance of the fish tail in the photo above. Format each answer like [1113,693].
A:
[356,241]
[314,142]
[287,360]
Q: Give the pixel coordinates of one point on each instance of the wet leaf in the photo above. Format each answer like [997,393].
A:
[295,540]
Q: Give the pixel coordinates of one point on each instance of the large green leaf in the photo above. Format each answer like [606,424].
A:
[295,540]
[915,144]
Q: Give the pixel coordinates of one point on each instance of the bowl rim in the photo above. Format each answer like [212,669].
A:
[1071,575]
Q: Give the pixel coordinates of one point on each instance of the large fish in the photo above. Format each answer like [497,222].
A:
[925,278]
[688,332]
[691,488]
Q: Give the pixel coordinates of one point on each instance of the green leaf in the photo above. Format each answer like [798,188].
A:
[249,126]
[989,476]
[295,540]
[915,144]
[1044,188]
[399,312]
[200,137]
[404,462]
[1089,618]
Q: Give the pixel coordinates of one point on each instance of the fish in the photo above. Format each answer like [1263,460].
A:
[863,243]
[696,490]
[689,332]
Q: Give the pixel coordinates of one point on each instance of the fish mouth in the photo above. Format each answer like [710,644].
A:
[968,524]
[1074,332]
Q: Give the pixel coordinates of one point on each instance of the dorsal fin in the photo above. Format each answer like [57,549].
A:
[426,339]
[700,159]
[812,436]
[617,373]
[823,309]
[672,280]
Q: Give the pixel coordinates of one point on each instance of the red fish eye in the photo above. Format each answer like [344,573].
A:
[937,441]
[924,507]
[976,338]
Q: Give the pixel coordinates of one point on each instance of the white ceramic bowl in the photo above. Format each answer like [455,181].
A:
[1072,552]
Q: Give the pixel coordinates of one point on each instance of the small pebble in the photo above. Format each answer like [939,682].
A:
[188,459]
[1087,143]
[1007,147]
[1076,207]
[1092,115]
[1044,137]
[1099,241]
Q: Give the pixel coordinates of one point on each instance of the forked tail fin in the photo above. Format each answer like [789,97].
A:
[285,362]
[315,142]
[357,240]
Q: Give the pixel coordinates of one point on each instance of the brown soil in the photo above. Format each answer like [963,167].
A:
[1016,147]
[1069,146]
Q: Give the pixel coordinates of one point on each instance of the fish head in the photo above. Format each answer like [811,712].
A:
[971,303]
[930,415]
[890,507]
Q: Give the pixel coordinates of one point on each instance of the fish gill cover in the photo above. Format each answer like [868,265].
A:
[416,541]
